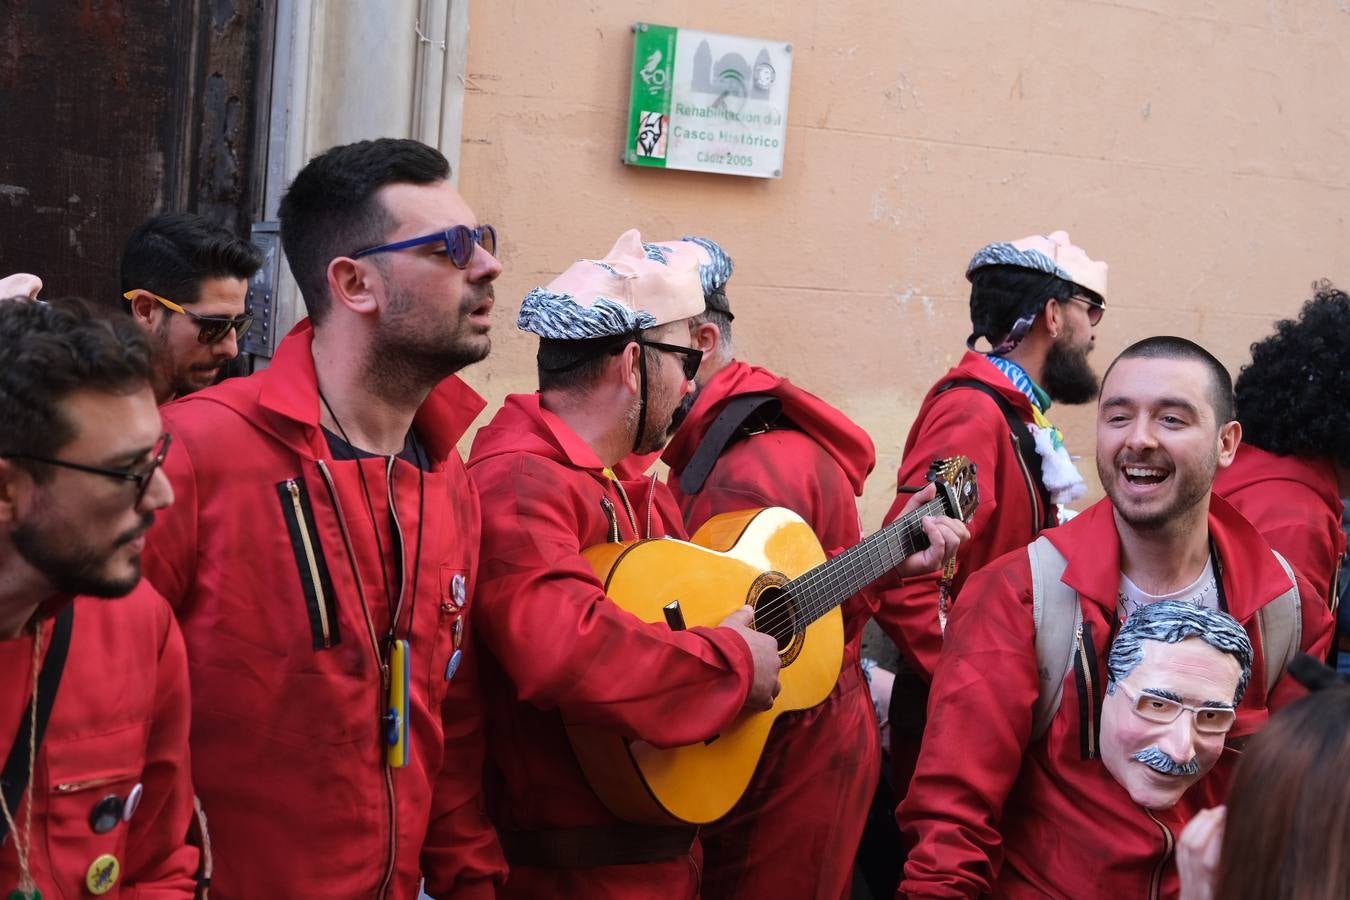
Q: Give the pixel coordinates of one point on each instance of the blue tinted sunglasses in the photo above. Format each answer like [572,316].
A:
[459,241]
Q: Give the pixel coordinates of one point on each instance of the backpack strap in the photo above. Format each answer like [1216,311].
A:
[742,415]
[1280,625]
[14,780]
[1057,617]
[1025,444]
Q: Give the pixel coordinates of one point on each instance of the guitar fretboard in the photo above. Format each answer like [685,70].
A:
[829,584]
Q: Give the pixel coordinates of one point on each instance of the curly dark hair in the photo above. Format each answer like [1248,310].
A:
[47,351]
[1293,398]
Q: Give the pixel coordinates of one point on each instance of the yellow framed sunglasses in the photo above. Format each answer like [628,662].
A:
[210,329]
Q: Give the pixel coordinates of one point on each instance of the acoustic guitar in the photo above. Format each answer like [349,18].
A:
[772,560]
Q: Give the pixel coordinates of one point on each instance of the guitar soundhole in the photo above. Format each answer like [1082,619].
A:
[776,615]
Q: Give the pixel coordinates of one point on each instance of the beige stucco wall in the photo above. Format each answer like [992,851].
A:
[1202,148]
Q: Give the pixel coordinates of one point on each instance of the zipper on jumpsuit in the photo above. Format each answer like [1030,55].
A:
[380,665]
[1032,488]
[1090,723]
[1169,844]
[393,625]
[311,561]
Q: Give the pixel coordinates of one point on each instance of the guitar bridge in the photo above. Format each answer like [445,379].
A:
[674,615]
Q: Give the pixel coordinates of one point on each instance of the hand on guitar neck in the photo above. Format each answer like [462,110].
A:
[764,652]
[945,536]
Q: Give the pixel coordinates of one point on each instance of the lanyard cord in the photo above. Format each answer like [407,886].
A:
[27,888]
[395,609]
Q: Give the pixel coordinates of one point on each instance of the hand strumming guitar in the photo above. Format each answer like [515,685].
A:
[764,652]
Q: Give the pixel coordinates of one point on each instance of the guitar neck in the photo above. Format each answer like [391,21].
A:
[832,582]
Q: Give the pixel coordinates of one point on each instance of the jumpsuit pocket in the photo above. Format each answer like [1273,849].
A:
[91,781]
[312,565]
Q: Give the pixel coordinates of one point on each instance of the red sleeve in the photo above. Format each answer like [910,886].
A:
[170,558]
[1297,522]
[544,615]
[160,864]
[461,858]
[908,610]
[979,725]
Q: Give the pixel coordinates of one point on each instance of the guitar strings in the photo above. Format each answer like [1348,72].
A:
[816,592]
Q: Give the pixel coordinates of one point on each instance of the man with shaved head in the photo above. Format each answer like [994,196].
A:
[1009,796]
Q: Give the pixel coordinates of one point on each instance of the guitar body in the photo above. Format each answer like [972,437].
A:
[734,559]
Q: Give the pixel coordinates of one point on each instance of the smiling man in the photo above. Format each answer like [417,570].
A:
[322,554]
[996,807]
[184,279]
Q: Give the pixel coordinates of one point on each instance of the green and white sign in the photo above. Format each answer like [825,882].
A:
[708,102]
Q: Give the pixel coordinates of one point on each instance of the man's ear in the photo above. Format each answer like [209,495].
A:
[705,336]
[1053,316]
[354,284]
[146,310]
[14,483]
[629,361]
[1230,436]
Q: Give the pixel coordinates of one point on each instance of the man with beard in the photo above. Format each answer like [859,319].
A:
[185,280]
[322,554]
[1036,301]
[97,790]
[996,808]
[755,439]
[615,363]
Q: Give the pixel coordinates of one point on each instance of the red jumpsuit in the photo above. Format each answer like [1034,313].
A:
[120,719]
[990,813]
[962,422]
[558,649]
[281,564]
[1296,504]
[810,795]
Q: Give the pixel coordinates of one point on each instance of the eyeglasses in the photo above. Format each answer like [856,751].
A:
[141,472]
[459,240]
[210,329]
[1164,711]
[693,357]
[1095,310]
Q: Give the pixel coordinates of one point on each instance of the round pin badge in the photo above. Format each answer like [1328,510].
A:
[453,666]
[457,585]
[132,802]
[103,874]
[106,814]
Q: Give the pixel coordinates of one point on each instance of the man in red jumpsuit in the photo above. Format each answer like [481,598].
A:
[811,792]
[184,280]
[615,361]
[103,806]
[1293,467]
[322,553]
[992,811]
[1037,302]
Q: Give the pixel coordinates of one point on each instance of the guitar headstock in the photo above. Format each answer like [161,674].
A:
[957,487]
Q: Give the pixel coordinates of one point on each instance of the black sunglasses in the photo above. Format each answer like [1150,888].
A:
[693,357]
[140,472]
[210,329]
[459,240]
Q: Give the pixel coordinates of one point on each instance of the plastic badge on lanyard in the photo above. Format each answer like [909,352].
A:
[396,719]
